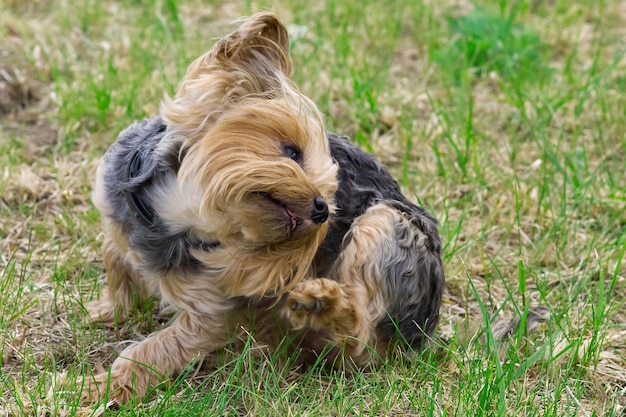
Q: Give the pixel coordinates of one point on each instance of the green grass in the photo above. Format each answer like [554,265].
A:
[506,120]
[485,41]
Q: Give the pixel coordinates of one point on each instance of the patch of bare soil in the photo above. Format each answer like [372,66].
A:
[24,105]
[17,89]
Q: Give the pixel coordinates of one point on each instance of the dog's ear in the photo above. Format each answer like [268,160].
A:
[252,60]
[261,40]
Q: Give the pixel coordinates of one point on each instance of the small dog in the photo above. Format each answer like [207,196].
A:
[239,210]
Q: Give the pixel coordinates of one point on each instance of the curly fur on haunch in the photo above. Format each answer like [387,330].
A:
[237,209]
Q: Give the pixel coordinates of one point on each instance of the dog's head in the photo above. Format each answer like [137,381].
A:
[255,157]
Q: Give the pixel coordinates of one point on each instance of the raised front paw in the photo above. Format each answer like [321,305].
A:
[311,303]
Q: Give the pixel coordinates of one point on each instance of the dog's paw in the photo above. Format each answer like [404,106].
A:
[103,312]
[125,381]
[311,301]
[111,387]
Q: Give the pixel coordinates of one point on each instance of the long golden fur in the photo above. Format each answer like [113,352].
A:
[235,207]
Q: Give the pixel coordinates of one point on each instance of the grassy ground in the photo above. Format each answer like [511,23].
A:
[506,119]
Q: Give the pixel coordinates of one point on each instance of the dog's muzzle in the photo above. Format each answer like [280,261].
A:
[319,214]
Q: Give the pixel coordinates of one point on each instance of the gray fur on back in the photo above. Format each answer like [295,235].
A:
[160,247]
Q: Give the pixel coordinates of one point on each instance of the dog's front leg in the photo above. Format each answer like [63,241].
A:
[126,287]
[145,364]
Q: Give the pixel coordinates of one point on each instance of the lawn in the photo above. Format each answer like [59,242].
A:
[507,120]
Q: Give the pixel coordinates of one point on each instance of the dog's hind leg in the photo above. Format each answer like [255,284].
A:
[387,283]
[125,289]
[339,311]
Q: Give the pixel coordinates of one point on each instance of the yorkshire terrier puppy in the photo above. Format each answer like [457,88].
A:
[239,211]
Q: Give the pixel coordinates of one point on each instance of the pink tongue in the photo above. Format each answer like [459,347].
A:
[293,218]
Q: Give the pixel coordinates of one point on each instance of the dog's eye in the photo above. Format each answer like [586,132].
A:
[293,153]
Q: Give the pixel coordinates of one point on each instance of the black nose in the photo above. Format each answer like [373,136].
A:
[319,214]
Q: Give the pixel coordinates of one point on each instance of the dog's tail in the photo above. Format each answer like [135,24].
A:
[522,324]
[497,332]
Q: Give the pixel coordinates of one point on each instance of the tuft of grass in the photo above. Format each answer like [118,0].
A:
[485,41]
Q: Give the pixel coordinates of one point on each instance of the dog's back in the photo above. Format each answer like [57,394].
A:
[410,270]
